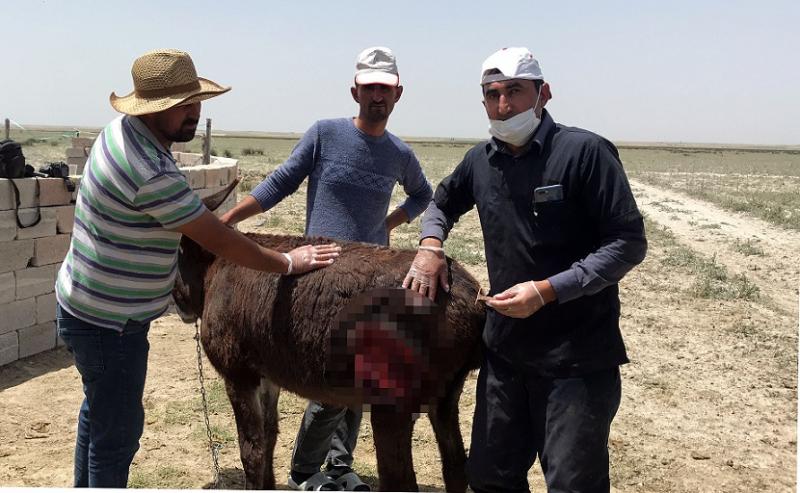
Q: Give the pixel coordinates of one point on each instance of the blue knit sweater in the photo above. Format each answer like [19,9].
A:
[351,176]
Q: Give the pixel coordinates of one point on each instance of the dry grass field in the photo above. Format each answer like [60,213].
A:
[710,320]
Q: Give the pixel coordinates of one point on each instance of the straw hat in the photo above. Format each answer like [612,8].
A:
[163,79]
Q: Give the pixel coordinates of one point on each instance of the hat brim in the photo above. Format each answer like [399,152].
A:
[132,104]
[500,77]
[383,78]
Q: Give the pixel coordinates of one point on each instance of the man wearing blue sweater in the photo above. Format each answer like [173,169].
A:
[352,165]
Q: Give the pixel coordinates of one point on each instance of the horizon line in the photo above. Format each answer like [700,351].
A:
[264,134]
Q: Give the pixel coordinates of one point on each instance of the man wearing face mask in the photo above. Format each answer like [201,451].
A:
[561,228]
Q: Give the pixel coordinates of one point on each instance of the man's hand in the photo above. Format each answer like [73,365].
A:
[310,257]
[227,219]
[209,232]
[522,300]
[428,270]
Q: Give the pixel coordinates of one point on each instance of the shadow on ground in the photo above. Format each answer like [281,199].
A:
[20,371]
[233,479]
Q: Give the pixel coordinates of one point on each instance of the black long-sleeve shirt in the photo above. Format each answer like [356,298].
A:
[583,233]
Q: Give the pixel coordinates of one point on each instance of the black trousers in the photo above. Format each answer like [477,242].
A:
[563,421]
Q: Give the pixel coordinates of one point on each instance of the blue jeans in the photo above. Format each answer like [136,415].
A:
[327,434]
[113,366]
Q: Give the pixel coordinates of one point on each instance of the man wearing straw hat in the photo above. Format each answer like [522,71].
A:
[132,207]
[352,165]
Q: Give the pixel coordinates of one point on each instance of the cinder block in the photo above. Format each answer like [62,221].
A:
[45,227]
[34,281]
[188,159]
[178,147]
[45,308]
[78,161]
[198,177]
[233,172]
[77,181]
[50,249]
[195,176]
[223,161]
[53,191]
[27,193]
[65,218]
[9,348]
[15,254]
[8,225]
[17,314]
[36,339]
[77,152]
[216,175]
[8,287]
[82,141]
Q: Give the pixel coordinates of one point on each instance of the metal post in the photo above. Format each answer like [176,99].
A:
[207,143]
[8,128]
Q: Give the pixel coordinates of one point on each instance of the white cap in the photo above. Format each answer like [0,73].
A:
[377,65]
[513,63]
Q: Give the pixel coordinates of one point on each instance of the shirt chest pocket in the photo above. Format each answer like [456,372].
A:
[553,222]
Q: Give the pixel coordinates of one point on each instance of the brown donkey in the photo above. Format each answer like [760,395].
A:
[345,335]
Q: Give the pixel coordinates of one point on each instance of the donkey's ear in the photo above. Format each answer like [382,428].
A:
[216,200]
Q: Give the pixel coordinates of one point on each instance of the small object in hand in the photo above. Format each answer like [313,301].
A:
[482,297]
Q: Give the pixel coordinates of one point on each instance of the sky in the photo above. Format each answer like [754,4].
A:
[681,71]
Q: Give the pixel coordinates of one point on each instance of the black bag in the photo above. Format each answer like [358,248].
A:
[12,161]
[55,170]
[12,165]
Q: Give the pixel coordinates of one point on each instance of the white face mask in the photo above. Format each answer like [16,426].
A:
[518,129]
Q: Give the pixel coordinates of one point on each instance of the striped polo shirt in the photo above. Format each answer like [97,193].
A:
[123,255]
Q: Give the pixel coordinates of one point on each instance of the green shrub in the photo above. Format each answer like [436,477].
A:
[748,248]
[250,151]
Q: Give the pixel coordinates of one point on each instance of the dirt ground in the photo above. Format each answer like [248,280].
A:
[709,398]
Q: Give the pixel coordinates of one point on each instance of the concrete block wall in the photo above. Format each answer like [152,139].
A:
[208,179]
[29,260]
[30,257]
[79,152]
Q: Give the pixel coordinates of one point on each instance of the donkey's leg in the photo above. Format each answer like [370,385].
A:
[444,419]
[243,392]
[392,434]
[268,394]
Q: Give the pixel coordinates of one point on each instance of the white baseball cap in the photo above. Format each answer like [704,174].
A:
[513,63]
[377,65]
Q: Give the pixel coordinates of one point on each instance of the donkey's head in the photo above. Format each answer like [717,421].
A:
[193,262]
